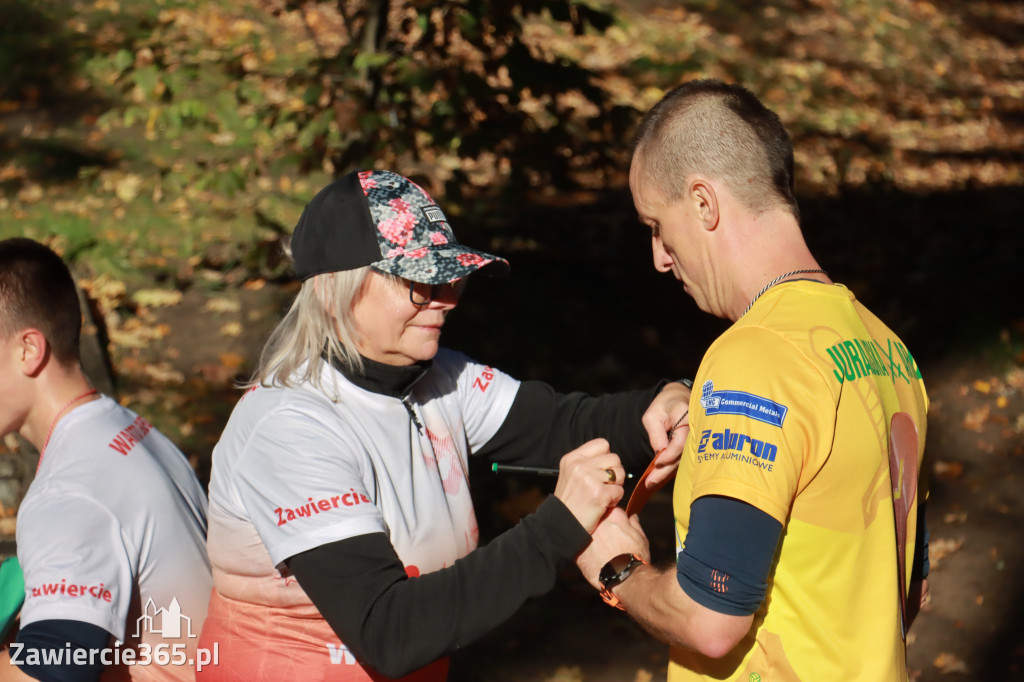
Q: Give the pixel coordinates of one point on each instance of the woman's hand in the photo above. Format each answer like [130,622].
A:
[615,535]
[590,481]
[667,424]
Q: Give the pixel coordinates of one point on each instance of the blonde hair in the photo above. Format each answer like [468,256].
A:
[317,329]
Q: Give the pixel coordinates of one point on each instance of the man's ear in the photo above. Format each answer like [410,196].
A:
[705,202]
[34,350]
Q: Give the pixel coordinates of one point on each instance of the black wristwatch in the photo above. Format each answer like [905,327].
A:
[609,577]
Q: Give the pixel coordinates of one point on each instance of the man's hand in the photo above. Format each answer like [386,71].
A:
[615,535]
[590,481]
[667,427]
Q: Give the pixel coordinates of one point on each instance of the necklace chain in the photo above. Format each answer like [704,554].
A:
[776,281]
[60,413]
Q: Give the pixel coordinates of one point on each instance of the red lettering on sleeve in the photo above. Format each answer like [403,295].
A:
[70,589]
[124,441]
[313,507]
[484,380]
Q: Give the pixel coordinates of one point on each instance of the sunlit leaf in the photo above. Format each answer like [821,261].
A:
[155,298]
[127,187]
[948,663]
[940,548]
[566,674]
[222,305]
[955,517]
[231,329]
[975,419]
[231,360]
[164,373]
[371,60]
[948,470]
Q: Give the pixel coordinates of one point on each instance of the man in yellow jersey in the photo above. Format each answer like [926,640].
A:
[801,550]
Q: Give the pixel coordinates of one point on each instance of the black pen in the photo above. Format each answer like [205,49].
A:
[540,471]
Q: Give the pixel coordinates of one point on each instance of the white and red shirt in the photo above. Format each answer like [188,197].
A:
[295,470]
[112,533]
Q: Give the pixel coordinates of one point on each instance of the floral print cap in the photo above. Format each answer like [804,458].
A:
[387,221]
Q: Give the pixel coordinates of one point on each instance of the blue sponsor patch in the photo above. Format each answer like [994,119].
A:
[741,403]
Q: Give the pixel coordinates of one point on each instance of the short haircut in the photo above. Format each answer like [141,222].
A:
[723,132]
[317,329]
[37,291]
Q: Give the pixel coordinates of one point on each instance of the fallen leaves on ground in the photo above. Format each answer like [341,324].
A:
[955,517]
[948,663]
[231,329]
[157,298]
[135,333]
[163,373]
[222,305]
[566,674]
[948,470]
[975,419]
[221,373]
[940,548]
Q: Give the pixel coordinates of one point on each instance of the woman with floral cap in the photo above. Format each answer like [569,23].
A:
[342,534]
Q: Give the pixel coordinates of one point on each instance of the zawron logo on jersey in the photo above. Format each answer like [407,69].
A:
[725,445]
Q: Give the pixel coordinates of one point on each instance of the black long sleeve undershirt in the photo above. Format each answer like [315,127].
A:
[542,425]
[396,624]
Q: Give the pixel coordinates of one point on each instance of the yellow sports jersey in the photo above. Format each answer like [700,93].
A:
[797,410]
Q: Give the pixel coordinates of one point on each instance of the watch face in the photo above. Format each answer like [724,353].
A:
[609,576]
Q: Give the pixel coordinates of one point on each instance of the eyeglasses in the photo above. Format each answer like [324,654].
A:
[421,294]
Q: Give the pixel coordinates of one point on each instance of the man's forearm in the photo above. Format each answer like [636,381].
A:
[654,599]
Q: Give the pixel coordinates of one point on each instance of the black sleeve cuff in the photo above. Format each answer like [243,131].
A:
[58,640]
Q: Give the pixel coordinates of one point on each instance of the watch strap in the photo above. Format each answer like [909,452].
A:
[606,584]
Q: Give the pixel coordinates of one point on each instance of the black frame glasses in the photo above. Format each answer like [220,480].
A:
[427,293]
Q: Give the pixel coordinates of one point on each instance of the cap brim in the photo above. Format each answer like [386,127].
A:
[442,263]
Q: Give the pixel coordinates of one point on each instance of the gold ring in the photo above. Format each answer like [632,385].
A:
[611,475]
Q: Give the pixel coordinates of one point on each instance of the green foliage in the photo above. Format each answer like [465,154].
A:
[452,77]
[208,110]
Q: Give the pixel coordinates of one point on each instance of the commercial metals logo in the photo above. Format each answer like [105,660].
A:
[741,403]
[169,623]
